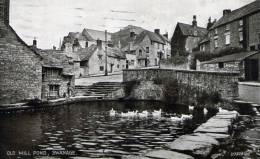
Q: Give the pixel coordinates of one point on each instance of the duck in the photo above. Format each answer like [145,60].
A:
[157,113]
[205,111]
[191,108]
[112,112]
[143,114]
[176,119]
[186,117]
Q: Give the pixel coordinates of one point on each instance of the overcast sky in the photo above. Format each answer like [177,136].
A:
[51,20]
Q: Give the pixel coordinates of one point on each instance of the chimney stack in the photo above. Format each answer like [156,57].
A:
[34,43]
[194,22]
[132,34]
[226,12]
[157,31]
[99,44]
[210,24]
[166,35]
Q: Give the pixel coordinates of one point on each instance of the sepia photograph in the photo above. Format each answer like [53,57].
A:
[129,79]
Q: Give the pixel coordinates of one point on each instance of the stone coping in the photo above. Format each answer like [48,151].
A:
[182,70]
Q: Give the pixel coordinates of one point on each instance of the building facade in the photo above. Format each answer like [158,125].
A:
[186,37]
[20,66]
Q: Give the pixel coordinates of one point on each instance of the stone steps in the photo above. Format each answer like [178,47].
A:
[99,89]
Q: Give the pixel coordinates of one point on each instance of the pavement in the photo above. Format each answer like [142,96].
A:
[94,79]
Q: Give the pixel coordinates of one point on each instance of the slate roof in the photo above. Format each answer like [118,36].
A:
[188,30]
[232,58]
[238,13]
[152,36]
[84,54]
[56,59]
[93,35]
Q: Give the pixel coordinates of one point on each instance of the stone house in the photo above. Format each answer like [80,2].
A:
[20,66]
[245,63]
[84,39]
[93,60]
[58,79]
[186,37]
[143,48]
[238,28]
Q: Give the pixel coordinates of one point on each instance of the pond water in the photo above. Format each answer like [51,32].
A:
[88,130]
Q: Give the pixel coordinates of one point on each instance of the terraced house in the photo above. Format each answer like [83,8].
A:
[239,28]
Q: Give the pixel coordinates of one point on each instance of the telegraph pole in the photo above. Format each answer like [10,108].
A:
[106,53]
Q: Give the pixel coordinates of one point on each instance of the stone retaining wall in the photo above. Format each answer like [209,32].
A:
[191,82]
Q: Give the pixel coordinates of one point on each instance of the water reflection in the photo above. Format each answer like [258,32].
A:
[88,129]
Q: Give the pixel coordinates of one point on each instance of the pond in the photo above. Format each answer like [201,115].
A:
[87,129]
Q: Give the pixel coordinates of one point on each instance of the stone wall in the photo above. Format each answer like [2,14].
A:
[20,68]
[254,30]
[191,83]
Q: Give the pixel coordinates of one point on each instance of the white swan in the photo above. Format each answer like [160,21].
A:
[112,112]
[129,114]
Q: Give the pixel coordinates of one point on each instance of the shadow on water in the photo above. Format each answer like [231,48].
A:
[87,128]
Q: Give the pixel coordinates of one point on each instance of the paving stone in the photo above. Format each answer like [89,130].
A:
[165,154]
[198,144]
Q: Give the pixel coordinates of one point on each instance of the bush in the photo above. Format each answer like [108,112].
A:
[128,87]
[176,60]
[208,99]
[170,91]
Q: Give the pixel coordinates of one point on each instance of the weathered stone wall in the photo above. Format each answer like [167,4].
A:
[20,68]
[191,83]
[254,30]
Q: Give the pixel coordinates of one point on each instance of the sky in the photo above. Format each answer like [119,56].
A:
[50,20]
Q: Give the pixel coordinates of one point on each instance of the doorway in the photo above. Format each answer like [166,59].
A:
[252,70]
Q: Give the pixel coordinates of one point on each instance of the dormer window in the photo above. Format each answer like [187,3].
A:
[147,50]
[140,52]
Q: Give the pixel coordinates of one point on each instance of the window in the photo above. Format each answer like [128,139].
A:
[82,63]
[100,57]
[54,90]
[258,46]
[227,27]
[147,50]
[252,48]
[52,72]
[220,65]
[241,23]
[101,68]
[216,43]
[155,62]
[86,44]
[132,62]
[241,37]
[259,37]
[163,47]
[158,46]
[118,66]
[216,31]
[227,38]
[195,33]
[140,52]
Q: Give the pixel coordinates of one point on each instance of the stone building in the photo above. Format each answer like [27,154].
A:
[239,62]
[186,37]
[20,66]
[58,79]
[143,48]
[93,60]
[236,29]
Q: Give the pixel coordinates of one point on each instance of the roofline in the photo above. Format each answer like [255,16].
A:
[212,62]
[191,25]
[23,42]
[234,19]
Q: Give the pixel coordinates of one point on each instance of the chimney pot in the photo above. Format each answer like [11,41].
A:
[194,22]
[157,31]
[99,44]
[166,35]
[226,12]
[35,43]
